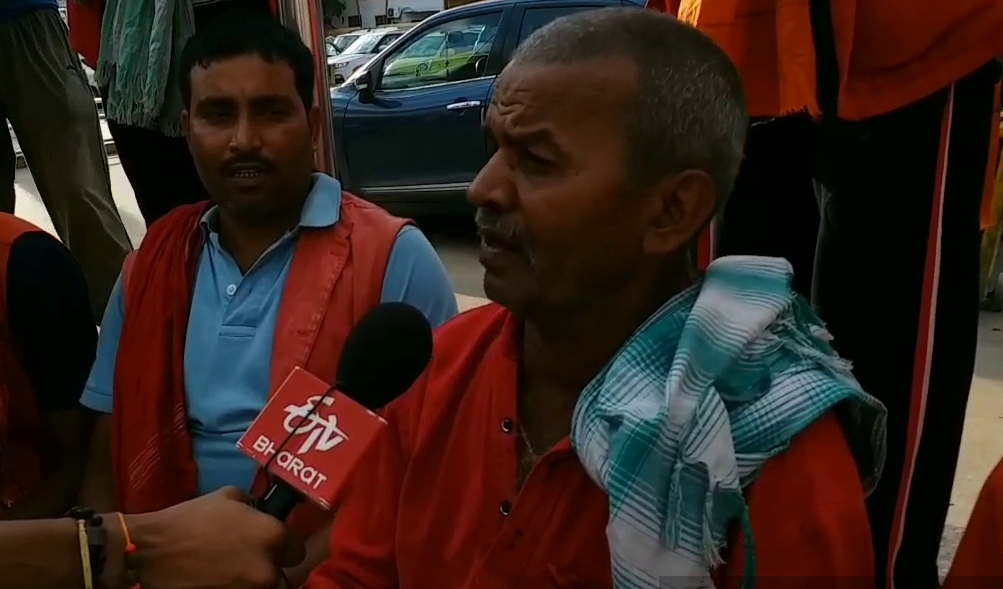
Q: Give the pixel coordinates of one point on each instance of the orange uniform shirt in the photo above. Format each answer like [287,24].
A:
[436,503]
[890,52]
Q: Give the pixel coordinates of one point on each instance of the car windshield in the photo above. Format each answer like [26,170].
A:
[343,41]
[364,44]
[425,47]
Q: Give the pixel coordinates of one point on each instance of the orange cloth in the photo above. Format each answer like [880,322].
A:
[336,276]
[986,217]
[23,439]
[979,559]
[436,504]
[890,52]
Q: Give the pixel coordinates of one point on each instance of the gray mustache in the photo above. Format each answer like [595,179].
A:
[487,220]
[509,229]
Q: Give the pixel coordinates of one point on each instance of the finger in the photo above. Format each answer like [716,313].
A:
[233,494]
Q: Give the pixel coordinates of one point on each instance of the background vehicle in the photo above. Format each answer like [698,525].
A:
[341,42]
[407,126]
[360,51]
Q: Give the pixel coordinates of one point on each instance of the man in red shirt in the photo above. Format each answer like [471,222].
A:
[619,134]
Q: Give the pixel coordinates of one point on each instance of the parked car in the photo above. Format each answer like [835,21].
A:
[341,42]
[360,51]
[407,125]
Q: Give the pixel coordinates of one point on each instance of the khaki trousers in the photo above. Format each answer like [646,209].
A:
[45,96]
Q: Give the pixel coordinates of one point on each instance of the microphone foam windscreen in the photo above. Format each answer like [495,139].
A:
[384,354]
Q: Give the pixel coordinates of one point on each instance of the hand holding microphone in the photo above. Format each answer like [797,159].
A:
[310,436]
[214,542]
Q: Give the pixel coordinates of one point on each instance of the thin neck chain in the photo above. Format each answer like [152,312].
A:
[529,445]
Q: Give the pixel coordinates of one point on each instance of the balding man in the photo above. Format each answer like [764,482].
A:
[613,419]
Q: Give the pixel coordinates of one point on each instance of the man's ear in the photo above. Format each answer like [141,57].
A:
[680,207]
[185,121]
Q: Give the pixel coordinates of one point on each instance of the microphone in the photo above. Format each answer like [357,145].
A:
[310,435]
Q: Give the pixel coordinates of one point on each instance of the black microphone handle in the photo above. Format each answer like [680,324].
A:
[280,501]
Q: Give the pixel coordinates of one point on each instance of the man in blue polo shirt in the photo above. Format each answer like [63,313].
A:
[206,305]
[46,98]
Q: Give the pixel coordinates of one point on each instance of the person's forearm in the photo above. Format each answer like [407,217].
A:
[45,554]
[40,554]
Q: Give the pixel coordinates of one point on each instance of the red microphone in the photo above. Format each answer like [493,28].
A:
[310,435]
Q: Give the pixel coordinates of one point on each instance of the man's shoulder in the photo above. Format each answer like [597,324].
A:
[362,210]
[819,454]
[463,348]
[477,328]
[178,219]
[818,468]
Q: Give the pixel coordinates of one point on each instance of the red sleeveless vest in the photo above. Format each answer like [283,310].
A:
[335,277]
[24,464]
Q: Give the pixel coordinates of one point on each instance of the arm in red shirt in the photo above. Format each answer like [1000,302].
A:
[363,550]
[809,522]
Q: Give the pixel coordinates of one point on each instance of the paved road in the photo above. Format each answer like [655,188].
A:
[982,445]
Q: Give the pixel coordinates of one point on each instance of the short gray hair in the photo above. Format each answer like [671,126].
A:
[690,110]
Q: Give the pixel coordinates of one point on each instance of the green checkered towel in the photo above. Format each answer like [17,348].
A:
[141,43]
[713,385]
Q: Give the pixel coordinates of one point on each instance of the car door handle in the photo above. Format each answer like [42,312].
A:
[463,105]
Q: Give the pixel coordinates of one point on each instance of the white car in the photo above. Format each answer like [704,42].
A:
[342,41]
[358,54]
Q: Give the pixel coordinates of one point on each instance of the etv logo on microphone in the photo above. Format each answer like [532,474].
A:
[322,432]
[310,439]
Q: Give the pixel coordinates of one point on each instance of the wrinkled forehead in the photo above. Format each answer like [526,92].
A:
[563,97]
[241,78]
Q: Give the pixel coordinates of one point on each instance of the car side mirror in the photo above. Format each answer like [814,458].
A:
[365,83]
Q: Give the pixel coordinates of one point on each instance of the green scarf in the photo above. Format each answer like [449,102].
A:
[141,43]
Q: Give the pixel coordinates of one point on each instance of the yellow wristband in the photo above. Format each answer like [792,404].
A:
[85,554]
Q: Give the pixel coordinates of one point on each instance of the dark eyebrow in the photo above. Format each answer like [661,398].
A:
[214,101]
[271,100]
[257,101]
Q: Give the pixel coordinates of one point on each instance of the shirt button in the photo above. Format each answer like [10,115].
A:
[507,425]
[505,508]
[231,289]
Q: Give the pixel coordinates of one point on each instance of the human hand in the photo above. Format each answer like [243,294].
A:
[214,542]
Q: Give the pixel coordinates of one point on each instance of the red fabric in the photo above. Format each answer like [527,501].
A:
[979,559]
[986,219]
[84,22]
[335,276]
[24,459]
[428,508]
[151,444]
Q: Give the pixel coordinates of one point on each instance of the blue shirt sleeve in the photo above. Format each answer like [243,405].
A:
[415,275]
[98,390]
